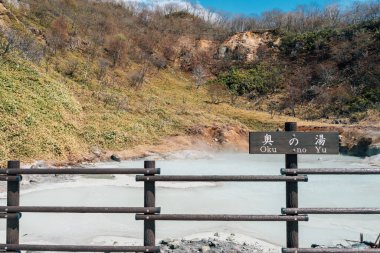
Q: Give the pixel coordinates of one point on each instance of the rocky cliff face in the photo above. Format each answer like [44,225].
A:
[246,45]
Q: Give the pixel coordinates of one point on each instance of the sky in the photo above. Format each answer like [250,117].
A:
[249,7]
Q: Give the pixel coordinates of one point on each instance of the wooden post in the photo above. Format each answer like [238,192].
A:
[291,161]
[149,201]
[13,199]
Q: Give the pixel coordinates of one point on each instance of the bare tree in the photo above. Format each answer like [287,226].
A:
[58,34]
[117,48]
[7,43]
[332,15]
[272,19]
[137,78]
[199,74]
[23,42]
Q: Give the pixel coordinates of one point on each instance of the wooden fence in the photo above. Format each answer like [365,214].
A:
[149,213]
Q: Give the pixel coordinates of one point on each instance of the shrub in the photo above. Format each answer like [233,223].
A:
[256,81]
[116,49]
[308,42]
[199,75]
[24,43]
[137,78]
[58,34]
[71,67]
[219,93]
[102,69]
[159,62]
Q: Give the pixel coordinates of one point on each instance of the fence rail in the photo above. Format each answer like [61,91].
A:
[77,248]
[81,171]
[11,178]
[10,215]
[302,178]
[295,211]
[337,171]
[78,209]
[220,217]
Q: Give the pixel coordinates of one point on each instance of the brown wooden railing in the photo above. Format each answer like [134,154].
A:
[149,213]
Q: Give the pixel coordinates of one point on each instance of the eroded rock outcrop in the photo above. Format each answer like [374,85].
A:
[245,45]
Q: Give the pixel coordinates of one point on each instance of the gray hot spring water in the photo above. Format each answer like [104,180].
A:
[220,198]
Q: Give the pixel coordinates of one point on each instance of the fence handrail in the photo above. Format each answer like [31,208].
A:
[73,171]
[332,171]
[295,211]
[226,178]
[221,217]
[78,209]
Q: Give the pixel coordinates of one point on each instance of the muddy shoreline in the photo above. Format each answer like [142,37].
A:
[355,141]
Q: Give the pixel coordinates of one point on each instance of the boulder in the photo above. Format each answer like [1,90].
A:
[211,243]
[165,241]
[115,158]
[361,147]
[174,245]
[205,249]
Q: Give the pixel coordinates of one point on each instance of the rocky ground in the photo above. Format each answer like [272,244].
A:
[214,244]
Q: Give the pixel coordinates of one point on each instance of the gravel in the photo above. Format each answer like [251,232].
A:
[211,245]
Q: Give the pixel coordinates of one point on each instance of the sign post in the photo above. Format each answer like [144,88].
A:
[291,161]
[292,143]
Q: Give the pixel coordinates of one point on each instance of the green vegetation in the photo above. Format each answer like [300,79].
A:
[253,82]
[55,116]
[37,112]
[294,44]
[343,60]
[328,72]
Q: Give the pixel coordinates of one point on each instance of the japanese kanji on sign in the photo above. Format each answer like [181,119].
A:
[294,143]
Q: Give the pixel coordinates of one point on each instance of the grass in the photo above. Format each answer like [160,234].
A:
[50,116]
[36,113]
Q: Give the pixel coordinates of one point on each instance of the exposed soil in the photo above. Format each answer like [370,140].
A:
[355,140]
[247,43]
[208,138]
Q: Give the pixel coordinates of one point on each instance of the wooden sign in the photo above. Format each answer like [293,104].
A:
[294,143]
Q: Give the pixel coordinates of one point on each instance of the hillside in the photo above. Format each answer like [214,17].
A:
[83,79]
[51,117]
[322,74]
